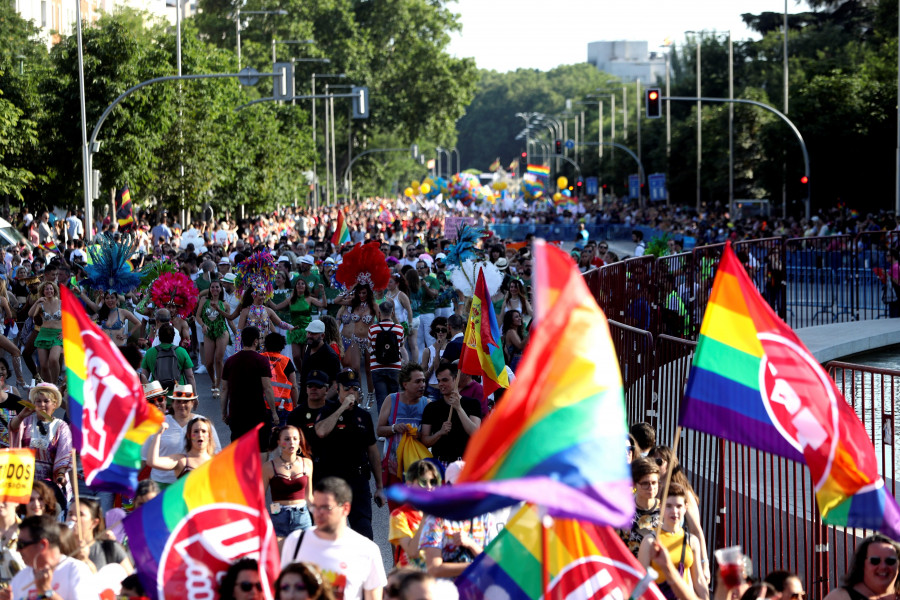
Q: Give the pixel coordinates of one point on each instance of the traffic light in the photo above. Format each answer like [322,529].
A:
[653,103]
[804,180]
[559,146]
[579,183]
[524,155]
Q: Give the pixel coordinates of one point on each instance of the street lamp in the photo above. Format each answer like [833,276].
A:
[274,60]
[315,161]
[237,24]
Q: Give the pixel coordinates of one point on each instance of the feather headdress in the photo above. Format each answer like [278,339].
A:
[464,248]
[465,275]
[176,292]
[110,270]
[257,273]
[364,265]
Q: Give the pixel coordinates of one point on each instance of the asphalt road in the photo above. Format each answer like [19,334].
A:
[211,409]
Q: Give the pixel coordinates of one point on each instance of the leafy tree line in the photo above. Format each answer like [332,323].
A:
[843,99]
[257,156]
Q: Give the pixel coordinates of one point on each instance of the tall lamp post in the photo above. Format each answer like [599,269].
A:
[316,160]
[237,24]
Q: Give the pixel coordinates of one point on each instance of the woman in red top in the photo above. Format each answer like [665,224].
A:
[289,475]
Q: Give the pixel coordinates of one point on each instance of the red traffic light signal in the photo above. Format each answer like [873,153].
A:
[653,109]
[804,180]
[524,155]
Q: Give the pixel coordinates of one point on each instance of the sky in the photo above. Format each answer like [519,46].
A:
[504,35]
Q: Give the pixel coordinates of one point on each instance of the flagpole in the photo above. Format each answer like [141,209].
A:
[77,500]
[546,521]
[669,469]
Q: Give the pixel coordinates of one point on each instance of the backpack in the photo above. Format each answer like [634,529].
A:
[167,371]
[387,348]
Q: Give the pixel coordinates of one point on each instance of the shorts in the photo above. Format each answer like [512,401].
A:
[48,337]
[289,519]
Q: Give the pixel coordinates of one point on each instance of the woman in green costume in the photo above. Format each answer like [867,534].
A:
[213,315]
[301,305]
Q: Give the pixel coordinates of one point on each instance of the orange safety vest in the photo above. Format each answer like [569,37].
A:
[280,384]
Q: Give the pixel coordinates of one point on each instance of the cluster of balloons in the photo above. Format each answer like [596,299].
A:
[429,188]
[463,187]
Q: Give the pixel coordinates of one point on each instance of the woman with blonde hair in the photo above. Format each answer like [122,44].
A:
[199,448]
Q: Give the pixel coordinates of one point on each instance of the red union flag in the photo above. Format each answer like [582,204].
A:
[110,418]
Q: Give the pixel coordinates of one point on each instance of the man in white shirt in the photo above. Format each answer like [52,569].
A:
[350,561]
[75,226]
[49,573]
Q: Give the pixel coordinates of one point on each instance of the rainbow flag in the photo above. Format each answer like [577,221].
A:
[111,420]
[556,438]
[341,231]
[754,382]
[481,353]
[581,556]
[539,170]
[186,537]
[50,246]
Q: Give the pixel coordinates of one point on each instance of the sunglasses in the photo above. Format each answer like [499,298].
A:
[297,587]
[189,396]
[247,586]
[888,560]
[20,544]
[440,330]
[424,482]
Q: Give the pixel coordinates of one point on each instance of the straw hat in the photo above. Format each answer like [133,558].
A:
[153,389]
[48,389]
[184,392]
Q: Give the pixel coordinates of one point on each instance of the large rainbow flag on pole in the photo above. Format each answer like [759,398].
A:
[582,557]
[556,438]
[481,353]
[755,383]
[341,232]
[184,539]
[110,417]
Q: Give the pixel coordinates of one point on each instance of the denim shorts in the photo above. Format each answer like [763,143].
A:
[290,518]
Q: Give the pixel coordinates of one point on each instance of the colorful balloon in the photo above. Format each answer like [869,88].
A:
[425,188]
[414,185]
[408,192]
[562,182]
[557,196]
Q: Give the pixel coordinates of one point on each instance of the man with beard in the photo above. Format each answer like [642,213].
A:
[319,356]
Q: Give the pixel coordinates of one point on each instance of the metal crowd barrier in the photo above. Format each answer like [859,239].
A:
[760,501]
[806,281]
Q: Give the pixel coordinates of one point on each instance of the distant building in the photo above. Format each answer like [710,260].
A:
[628,61]
[57,17]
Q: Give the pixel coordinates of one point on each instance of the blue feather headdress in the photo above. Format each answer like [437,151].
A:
[464,248]
[110,270]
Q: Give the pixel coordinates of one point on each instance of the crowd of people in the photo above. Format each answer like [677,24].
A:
[346,355]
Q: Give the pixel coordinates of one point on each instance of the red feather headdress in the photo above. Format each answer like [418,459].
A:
[364,265]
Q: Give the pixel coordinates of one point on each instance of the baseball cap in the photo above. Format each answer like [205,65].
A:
[317,377]
[440,256]
[316,326]
[283,258]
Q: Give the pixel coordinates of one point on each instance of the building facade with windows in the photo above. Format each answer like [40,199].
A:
[628,60]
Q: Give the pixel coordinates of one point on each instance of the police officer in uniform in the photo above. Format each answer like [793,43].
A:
[349,451]
[306,413]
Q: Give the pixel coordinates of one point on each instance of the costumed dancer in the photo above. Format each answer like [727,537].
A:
[363,270]
[49,340]
[213,315]
[463,266]
[111,274]
[255,277]
[301,303]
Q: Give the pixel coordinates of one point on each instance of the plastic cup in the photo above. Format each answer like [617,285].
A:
[730,565]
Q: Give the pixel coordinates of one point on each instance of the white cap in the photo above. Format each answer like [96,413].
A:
[283,258]
[306,259]
[440,256]
[224,261]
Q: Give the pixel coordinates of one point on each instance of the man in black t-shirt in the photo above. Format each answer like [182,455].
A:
[447,424]
[306,413]
[246,388]
[319,356]
[349,451]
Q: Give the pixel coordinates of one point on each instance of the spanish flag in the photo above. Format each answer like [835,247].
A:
[125,213]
